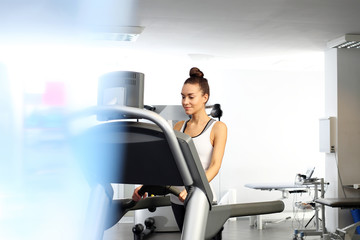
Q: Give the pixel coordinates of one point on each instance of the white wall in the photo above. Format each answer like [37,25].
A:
[272,117]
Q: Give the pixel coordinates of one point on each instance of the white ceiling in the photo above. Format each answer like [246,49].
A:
[230,28]
[201,29]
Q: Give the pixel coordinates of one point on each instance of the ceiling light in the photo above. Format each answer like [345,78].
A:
[116,33]
[346,41]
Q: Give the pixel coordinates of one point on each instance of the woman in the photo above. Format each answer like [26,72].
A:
[209,136]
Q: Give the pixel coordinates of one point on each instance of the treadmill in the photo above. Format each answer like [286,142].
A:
[132,152]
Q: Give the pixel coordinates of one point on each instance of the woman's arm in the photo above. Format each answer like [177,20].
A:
[218,137]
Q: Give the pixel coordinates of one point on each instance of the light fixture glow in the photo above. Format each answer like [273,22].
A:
[117,33]
[346,41]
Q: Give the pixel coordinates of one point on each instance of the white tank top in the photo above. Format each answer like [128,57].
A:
[203,144]
[204,149]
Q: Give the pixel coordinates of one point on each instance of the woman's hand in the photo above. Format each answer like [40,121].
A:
[136,197]
[183,195]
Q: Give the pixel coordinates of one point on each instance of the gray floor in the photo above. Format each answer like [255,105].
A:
[233,230]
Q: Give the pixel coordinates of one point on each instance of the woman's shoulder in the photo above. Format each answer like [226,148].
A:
[219,124]
[220,127]
[178,125]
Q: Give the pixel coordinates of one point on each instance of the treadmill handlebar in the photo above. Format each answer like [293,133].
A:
[155,118]
[158,190]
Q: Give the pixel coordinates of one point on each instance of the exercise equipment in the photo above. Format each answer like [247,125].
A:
[112,152]
[139,231]
[216,111]
[120,207]
[164,217]
[348,232]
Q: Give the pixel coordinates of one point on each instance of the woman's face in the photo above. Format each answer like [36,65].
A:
[193,98]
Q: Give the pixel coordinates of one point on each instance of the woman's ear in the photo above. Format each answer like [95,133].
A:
[206,97]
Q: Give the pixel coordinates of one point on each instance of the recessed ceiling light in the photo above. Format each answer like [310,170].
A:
[346,41]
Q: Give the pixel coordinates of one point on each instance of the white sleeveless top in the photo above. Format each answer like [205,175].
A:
[204,149]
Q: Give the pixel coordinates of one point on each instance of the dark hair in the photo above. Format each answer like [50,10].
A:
[197,77]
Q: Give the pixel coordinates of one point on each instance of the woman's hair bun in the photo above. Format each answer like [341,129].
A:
[195,72]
